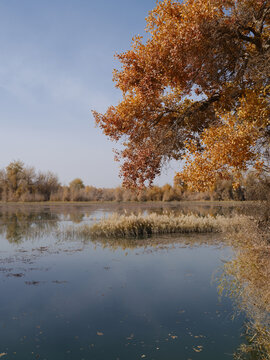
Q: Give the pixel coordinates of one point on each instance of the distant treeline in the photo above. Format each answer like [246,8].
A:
[21,183]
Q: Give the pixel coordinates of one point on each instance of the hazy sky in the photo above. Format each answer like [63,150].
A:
[56,63]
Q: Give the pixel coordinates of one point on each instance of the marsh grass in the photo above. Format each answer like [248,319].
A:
[246,279]
[143,226]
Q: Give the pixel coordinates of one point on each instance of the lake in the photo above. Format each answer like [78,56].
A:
[110,299]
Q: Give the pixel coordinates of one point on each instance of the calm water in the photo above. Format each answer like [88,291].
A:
[71,299]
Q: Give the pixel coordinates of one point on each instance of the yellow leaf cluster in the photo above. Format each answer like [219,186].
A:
[229,147]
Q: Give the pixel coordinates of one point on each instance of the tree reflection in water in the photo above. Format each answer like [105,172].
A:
[20,225]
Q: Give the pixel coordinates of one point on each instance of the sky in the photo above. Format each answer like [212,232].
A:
[56,63]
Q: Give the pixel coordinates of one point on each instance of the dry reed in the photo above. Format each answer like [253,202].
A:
[246,279]
[139,226]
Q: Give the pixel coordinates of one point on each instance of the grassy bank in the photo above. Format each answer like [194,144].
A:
[173,202]
[246,279]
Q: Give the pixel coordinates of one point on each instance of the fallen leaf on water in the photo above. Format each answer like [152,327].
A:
[198,348]
[181,311]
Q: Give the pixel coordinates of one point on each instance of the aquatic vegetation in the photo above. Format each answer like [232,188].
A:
[137,226]
[246,279]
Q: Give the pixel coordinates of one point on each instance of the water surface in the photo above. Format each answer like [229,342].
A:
[75,299]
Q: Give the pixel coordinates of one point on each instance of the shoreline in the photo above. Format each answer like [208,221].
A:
[185,202]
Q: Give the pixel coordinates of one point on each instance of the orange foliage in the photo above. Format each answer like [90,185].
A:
[197,89]
[228,147]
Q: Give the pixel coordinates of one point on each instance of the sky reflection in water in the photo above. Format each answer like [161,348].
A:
[78,300]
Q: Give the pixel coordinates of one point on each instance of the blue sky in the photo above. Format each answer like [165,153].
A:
[57,58]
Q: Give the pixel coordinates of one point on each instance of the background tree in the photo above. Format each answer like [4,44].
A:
[47,184]
[76,184]
[198,90]
[14,177]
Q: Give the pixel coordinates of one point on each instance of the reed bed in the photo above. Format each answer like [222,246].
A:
[140,226]
[246,279]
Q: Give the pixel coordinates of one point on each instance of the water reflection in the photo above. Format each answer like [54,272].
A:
[20,222]
[124,298]
[20,225]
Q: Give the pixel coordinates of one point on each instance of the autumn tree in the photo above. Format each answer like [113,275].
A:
[14,176]
[46,184]
[76,184]
[198,90]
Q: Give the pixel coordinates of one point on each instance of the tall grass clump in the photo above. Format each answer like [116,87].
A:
[246,279]
[139,226]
